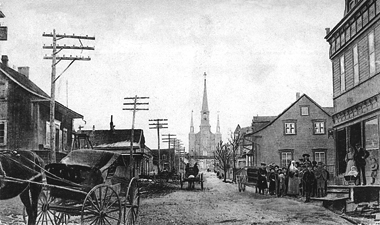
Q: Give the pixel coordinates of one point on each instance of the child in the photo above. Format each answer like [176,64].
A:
[281,183]
[374,168]
[272,181]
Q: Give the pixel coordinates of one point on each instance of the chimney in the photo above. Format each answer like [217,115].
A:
[327,30]
[4,60]
[298,95]
[24,70]
[111,123]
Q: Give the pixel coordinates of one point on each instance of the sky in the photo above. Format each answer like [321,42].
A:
[257,55]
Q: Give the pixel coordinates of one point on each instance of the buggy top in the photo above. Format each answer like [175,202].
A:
[99,159]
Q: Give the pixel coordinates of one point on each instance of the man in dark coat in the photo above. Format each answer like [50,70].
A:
[308,179]
[360,161]
[262,179]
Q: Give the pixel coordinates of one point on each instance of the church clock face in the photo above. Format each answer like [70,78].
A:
[205,116]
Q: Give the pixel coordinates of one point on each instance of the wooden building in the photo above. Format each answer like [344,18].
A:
[301,128]
[355,54]
[25,114]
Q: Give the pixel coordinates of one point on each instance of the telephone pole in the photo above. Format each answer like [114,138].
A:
[134,109]
[57,49]
[158,124]
[168,138]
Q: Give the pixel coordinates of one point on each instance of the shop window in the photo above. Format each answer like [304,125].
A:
[371,133]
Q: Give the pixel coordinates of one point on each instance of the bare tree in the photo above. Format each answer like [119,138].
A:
[223,156]
[233,140]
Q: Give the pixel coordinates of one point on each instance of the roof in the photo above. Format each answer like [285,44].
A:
[32,88]
[116,138]
[303,96]
[91,158]
[259,122]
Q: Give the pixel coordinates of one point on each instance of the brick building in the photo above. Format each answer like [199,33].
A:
[301,128]
[355,54]
[25,114]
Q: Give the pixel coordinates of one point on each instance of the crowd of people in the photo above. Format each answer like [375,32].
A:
[299,179]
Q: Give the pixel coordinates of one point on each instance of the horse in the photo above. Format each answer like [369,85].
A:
[21,175]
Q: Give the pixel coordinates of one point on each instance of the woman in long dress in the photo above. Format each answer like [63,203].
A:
[293,181]
[350,159]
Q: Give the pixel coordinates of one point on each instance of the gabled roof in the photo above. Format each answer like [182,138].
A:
[25,83]
[303,96]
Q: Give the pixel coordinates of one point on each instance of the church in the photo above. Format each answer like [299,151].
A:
[203,144]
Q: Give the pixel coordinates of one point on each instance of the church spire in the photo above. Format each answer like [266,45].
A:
[205,104]
[205,113]
[217,125]
[192,123]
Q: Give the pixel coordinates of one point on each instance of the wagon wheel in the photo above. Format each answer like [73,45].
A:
[101,206]
[201,181]
[132,202]
[180,180]
[44,214]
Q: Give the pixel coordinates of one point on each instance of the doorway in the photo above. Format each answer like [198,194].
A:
[355,134]
[341,150]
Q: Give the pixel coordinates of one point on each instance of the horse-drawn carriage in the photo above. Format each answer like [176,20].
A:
[191,176]
[93,185]
[248,176]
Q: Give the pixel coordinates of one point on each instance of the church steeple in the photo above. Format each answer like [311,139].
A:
[192,123]
[205,113]
[217,125]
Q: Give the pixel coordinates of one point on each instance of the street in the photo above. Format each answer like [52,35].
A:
[221,203]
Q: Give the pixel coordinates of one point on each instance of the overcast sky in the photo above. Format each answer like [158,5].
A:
[257,54]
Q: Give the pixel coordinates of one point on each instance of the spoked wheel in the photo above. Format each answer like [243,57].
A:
[44,214]
[101,206]
[132,205]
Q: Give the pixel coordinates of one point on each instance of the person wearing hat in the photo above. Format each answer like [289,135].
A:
[262,178]
[306,158]
[360,161]
[308,179]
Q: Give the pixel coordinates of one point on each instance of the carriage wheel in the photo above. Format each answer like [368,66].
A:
[132,202]
[44,214]
[201,181]
[101,206]
[180,180]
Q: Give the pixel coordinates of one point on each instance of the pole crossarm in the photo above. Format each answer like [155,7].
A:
[68,47]
[69,58]
[135,109]
[159,124]
[136,98]
[55,60]
[68,36]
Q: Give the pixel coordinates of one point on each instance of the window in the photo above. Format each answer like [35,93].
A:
[304,110]
[319,127]
[371,133]
[320,155]
[3,132]
[342,75]
[3,90]
[371,47]
[290,128]
[47,137]
[356,65]
[286,157]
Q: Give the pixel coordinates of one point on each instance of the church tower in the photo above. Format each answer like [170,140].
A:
[203,144]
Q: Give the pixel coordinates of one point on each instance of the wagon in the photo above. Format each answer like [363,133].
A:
[93,185]
[191,177]
[247,177]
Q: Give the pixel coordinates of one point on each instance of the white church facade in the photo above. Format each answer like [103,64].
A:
[203,144]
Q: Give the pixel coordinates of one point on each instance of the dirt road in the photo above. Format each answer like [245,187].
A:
[221,203]
[218,203]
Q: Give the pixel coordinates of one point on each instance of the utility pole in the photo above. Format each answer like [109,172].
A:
[134,109]
[168,138]
[158,124]
[56,49]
